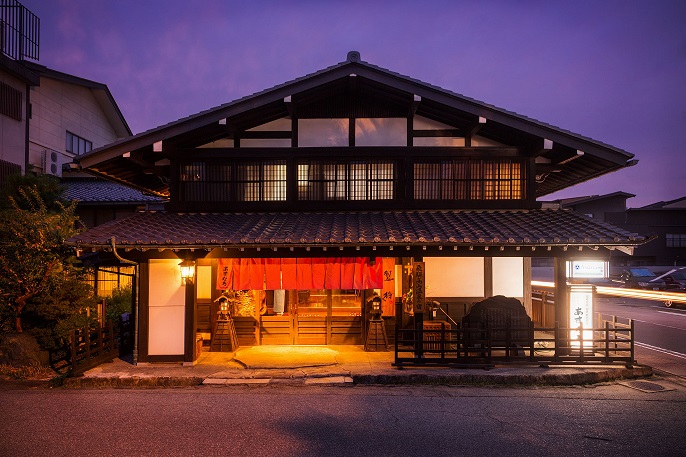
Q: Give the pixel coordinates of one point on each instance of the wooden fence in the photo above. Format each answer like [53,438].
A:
[88,347]
[482,346]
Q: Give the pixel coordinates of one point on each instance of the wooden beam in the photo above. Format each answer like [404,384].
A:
[416,100]
[438,133]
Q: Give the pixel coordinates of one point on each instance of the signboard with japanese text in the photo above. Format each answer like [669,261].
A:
[388,289]
[419,286]
[225,274]
[581,313]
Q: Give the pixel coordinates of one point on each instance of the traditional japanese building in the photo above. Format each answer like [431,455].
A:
[303,202]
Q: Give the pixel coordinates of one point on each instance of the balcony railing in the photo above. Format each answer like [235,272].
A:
[19,31]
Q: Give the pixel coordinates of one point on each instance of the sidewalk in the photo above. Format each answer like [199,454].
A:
[333,365]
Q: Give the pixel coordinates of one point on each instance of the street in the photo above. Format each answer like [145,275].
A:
[660,331]
[344,421]
[286,420]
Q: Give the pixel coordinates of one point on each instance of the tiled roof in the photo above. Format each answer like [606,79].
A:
[94,190]
[541,227]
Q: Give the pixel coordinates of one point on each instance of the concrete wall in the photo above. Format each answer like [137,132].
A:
[59,106]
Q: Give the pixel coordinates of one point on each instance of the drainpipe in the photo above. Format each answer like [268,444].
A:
[27,136]
[135,298]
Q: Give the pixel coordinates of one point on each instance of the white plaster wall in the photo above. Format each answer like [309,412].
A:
[12,131]
[58,106]
[203,279]
[166,312]
[508,276]
[454,277]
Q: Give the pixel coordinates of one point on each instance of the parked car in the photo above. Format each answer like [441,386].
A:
[641,278]
[675,279]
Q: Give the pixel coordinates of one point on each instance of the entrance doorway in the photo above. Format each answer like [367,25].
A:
[316,316]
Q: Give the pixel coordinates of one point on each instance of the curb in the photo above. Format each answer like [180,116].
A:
[569,379]
[133,381]
[462,379]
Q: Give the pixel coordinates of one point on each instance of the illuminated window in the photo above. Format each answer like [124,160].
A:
[254,181]
[381,132]
[428,132]
[468,179]
[323,132]
[345,180]
[496,180]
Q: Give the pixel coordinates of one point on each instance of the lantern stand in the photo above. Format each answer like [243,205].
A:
[376,333]
[224,338]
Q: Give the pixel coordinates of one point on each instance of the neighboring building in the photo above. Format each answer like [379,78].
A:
[101,201]
[70,116]
[302,201]
[665,222]
[18,41]
[605,208]
[47,118]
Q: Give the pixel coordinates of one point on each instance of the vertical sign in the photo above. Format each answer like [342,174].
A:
[419,286]
[581,313]
[224,270]
[388,289]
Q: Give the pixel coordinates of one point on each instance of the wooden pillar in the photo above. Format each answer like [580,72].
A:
[562,303]
[190,325]
[488,277]
[143,312]
[419,306]
[527,286]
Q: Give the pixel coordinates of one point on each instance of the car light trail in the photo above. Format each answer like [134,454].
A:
[672,297]
[667,297]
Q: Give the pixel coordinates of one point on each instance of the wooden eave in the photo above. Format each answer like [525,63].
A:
[397,91]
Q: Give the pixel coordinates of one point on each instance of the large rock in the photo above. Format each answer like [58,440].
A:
[499,313]
[21,349]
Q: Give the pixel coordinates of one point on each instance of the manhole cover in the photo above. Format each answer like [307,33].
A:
[645,386]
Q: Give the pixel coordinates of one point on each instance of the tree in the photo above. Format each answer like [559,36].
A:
[120,302]
[37,272]
[48,187]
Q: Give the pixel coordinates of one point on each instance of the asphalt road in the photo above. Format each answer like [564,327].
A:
[660,331]
[609,419]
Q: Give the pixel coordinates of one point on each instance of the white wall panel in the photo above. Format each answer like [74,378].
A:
[454,277]
[167,304]
[508,276]
[166,330]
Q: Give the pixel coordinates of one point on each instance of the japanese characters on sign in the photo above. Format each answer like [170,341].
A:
[419,286]
[224,274]
[388,289]
[581,313]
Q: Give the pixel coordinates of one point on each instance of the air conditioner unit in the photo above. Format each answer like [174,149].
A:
[52,162]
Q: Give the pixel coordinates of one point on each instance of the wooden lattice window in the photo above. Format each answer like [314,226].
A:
[469,179]
[253,181]
[346,180]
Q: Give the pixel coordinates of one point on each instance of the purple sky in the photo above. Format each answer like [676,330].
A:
[614,71]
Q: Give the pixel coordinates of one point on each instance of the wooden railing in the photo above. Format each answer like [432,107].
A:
[480,346]
[543,307]
[88,347]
